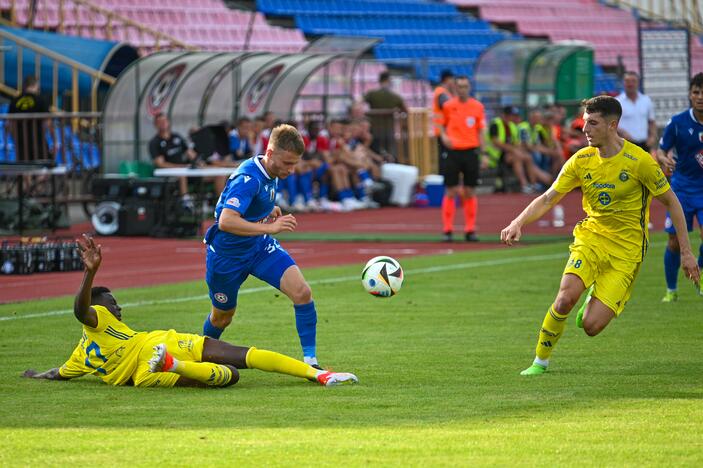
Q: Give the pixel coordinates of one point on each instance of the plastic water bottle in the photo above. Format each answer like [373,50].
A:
[558,220]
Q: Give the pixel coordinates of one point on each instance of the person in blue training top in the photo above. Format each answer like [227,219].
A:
[240,243]
[684,134]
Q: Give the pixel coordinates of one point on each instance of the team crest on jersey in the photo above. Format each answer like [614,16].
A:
[234,201]
[699,158]
[470,121]
[221,297]
[604,198]
[623,176]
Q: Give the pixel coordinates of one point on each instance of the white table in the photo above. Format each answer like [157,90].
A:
[197,172]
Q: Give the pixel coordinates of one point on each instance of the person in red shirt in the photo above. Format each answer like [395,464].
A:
[461,133]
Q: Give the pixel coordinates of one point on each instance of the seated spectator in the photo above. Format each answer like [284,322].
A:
[576,139]
[242,139]
[504,148]
[168,149]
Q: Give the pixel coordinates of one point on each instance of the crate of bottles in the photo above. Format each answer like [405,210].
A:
[29,255]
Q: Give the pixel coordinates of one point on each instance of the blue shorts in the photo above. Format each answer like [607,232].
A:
[225,275]
[692,206]
[320,171]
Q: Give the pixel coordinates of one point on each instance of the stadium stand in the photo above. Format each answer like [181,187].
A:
[424,36]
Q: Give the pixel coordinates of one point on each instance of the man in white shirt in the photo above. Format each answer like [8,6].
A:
[637,123]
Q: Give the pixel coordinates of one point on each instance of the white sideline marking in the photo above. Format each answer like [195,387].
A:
[339,279]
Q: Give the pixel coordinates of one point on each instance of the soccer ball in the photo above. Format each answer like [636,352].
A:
[382,276]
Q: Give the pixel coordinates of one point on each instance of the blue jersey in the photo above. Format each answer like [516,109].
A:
[685,135]
[251,192]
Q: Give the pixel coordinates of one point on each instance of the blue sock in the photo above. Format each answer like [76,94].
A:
[346,193]
[359,191]
[211,330]
[324,190]
[700,256]
[306,324]
[672,263]
[364,175]
[292,186]
[305,185]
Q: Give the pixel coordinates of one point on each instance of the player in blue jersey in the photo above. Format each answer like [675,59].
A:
[684,135]
[239,244]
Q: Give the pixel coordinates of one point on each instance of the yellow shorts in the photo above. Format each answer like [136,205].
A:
[182,346]
[612,277]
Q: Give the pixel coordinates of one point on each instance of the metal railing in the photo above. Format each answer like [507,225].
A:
[39,52]
[89,20]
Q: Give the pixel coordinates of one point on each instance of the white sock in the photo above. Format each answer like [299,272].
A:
[541,362]
[310,360]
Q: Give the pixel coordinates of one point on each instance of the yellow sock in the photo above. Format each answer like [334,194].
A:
[270,361]
[552,329]
[215,375]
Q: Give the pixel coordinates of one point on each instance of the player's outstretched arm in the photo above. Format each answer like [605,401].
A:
[688,261]
[51,374]
[535,210]
[91,256]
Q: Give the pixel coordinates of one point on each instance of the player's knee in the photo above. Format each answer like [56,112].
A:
[301,294]
[564,303]
[592,328]
[221,320]
[235,375]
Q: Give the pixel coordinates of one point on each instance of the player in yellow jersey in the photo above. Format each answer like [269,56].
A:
[618,180]
[118,355]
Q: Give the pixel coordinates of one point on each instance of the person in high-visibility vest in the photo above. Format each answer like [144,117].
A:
[442,93]
[503,143]
[462,134]
[536,138]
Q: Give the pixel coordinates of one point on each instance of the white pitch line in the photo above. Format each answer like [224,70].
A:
[338,279]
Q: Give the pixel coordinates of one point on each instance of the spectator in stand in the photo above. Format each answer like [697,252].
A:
[30,142]
[576,139]
[383,102]
[258,129]
[242,139]
[339,154]
[504,148]
[168,149]
[637,123]
[550,136]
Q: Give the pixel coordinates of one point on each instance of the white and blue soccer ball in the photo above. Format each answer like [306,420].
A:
[382,276]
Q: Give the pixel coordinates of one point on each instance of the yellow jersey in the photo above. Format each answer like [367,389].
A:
[617,192]
[109,351]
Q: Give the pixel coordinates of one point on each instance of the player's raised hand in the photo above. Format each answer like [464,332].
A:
[91,254]
[510,234]
[286,223]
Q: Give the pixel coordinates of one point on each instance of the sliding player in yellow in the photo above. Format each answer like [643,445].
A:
[118,355]
[618,180]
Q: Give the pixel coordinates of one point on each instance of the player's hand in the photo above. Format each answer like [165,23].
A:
[276,212]
[91,254]
[668,163]
[689,264]
[510,234]
[285,223]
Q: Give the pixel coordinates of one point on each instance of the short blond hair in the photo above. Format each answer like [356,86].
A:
[287,138]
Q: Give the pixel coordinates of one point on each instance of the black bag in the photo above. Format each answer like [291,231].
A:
[381,192]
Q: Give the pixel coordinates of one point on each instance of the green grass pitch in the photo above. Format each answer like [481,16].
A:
[438,366]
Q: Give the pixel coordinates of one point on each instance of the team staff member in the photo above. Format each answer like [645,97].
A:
[637,123]
[442,93]
[109,349]
[618,180]
[168,149]
[464,120]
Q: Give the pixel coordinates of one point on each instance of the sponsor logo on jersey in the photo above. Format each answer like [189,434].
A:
[604,198]
[234,201]
[272,195]
[221,297]
[602,186]
[246,179]
[588,176]
[629,156]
